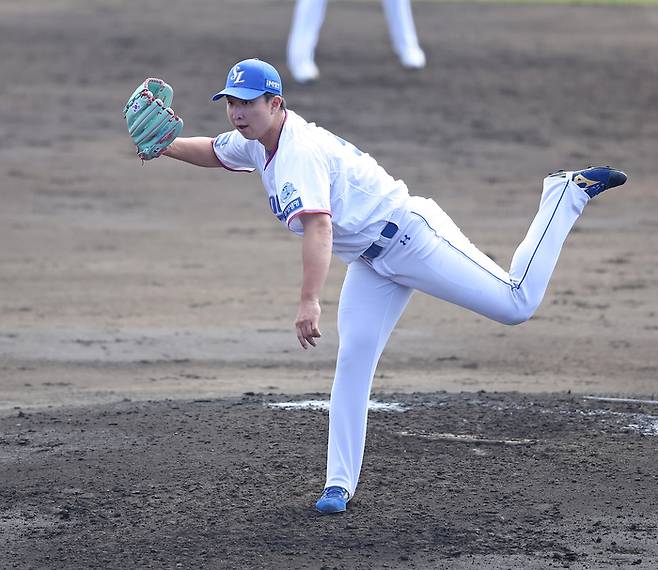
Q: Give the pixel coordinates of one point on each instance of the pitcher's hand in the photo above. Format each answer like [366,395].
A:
[307,322]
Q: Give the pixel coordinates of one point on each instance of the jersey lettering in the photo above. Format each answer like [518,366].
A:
[275,206]
[296,204]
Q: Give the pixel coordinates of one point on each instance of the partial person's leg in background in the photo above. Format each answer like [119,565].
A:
[303,38]
[402,30]
[370,306]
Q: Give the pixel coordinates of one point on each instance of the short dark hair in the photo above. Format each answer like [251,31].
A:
[269,96]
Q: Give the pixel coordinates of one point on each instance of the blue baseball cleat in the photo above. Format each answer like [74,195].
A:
[595,179]
[333,500]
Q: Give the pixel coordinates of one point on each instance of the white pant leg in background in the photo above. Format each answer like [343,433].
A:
[307,21]
[401,26]
[370,306]
[438,259]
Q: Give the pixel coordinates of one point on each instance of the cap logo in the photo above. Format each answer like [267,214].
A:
[236,75]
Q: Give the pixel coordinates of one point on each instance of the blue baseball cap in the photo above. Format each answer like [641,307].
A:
[249,79]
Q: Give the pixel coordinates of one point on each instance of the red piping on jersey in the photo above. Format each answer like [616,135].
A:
[271,156]
[233,169]
[296,214]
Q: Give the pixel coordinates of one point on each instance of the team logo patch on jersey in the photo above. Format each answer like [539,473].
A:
[295,205]
[287,192]
[224,140]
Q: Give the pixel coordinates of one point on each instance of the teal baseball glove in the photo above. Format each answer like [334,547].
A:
[152,123]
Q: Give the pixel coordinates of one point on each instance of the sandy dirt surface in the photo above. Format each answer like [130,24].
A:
[140,303]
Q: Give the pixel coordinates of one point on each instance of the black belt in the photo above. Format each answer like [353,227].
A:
[390,229]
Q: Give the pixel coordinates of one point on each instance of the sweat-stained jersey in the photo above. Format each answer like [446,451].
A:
[313,170]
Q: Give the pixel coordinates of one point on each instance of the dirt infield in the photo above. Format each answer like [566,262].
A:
[140,304]
[452,481]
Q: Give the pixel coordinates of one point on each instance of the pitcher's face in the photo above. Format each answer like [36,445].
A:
[253,119]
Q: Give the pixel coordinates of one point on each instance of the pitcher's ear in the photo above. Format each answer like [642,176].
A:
[277,103]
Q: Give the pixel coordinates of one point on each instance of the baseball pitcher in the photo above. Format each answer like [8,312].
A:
[338,199]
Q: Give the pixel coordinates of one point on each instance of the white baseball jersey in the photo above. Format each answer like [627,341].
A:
[313,170]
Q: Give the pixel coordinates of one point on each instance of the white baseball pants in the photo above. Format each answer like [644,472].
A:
[429,253]
[309,15]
